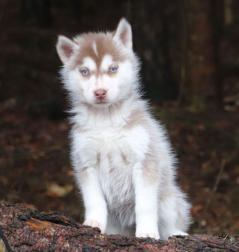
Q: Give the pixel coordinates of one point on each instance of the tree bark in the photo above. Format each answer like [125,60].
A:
[200,66]
[23,228]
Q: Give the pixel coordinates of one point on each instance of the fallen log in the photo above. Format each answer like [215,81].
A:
[24,228]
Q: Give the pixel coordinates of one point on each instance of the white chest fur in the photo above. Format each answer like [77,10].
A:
[113,153]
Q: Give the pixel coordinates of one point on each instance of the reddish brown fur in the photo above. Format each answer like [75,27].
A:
[104,44]
[136,118]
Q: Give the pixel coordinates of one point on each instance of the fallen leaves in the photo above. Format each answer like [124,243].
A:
[195,209]
[35,167]
[55,190]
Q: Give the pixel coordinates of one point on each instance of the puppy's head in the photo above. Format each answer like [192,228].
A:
[99,69]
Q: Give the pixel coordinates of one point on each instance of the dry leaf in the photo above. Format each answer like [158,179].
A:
[55,190]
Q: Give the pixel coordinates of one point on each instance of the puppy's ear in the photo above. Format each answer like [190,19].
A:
[65,48]
[123,33]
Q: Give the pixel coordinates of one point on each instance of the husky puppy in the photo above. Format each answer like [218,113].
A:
[121,156]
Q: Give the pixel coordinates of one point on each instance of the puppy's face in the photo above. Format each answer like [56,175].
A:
[100,69]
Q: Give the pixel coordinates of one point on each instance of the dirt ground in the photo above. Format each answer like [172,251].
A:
[35,166]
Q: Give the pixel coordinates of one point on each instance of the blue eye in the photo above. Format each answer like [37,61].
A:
[113,69]
[84,72]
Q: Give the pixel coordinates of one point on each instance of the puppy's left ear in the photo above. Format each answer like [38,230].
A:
[123,33]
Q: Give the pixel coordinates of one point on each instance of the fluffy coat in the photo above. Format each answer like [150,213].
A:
[122,158]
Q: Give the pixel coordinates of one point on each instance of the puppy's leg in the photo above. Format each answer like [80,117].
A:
[174,216]
[146,194]
[114,227]
[94,202]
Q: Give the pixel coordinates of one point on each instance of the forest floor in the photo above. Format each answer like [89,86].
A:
[35,167]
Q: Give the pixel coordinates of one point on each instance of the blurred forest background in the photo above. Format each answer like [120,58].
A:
[190,71]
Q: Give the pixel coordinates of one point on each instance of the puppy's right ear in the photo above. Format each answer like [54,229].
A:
[65,48]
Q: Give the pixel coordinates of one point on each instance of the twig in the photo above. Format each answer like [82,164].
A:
[217,181]
[5,241]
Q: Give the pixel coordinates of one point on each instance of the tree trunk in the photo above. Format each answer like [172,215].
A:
[23,228]
[200,66]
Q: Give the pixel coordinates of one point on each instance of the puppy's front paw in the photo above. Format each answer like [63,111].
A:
[178,233]
[94,223]
[154,235]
